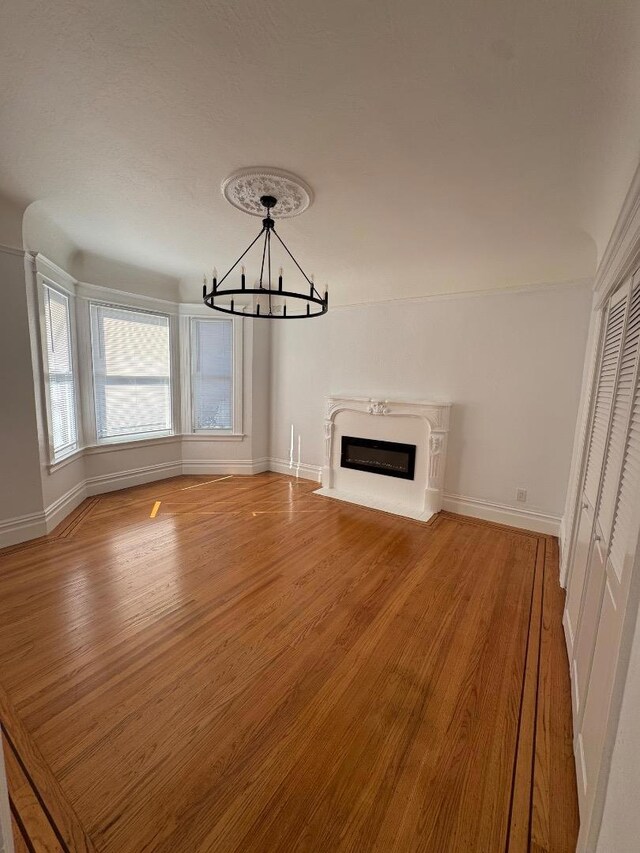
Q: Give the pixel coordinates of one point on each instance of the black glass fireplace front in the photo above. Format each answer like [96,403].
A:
[379,457]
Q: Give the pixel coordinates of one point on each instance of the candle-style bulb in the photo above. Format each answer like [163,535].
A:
[280,279]
[242,278]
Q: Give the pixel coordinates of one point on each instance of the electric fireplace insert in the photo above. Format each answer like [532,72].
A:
[390,458]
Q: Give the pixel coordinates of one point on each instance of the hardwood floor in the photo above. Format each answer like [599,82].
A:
[257,668]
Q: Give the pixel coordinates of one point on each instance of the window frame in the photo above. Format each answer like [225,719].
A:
[42,283]
[189,313]
[81,295]
[91,399]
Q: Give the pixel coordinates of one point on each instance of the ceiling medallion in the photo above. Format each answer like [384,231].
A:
[267,298]
[245,187]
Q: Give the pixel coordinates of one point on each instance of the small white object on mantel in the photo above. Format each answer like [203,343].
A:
[424,424]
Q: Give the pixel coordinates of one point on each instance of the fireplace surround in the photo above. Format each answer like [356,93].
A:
[423,425]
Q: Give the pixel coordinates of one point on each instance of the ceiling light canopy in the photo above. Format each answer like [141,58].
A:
[258,192]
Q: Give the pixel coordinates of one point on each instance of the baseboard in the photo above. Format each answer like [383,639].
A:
[56,512]
[240,467]
[307,472]
[21,528]
[25,527]
[539,522]
[134,477]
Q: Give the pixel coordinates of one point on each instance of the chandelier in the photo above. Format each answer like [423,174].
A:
[266,298]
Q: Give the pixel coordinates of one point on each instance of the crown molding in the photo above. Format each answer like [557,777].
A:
[512,290]
[622,255]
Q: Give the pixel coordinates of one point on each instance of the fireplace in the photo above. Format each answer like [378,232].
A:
[406,441]
[389,458]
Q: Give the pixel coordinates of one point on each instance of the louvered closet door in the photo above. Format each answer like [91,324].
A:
[608,460]
[618,526]
[607,373]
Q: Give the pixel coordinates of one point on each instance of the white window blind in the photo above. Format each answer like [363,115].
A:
[627,516]
[212,374]
[620,417]
[604,398]
[132,372]
[60,380]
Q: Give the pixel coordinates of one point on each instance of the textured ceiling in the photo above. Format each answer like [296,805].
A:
[452,146]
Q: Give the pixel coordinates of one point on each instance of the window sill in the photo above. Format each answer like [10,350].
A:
[112,446]
[214,436]
[57,464]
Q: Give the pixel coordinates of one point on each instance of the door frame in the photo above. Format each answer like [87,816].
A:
[620,259]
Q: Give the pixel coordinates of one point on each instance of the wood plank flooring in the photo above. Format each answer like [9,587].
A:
[237,664]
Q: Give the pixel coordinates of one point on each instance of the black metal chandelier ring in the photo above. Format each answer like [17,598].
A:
[275,305]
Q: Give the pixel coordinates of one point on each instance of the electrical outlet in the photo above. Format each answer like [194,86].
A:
[521,495]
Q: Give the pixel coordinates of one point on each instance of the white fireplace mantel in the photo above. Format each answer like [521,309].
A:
[418,500]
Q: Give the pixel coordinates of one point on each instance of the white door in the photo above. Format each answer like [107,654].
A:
[598,436]
[614,538]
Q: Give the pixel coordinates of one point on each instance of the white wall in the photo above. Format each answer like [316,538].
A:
[20,487]
[40,233]
[511,364]
[10,222]
[260,384]
[95,269]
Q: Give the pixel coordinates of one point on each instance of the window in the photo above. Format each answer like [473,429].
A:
[212,374]
[61,394]
[131,372]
